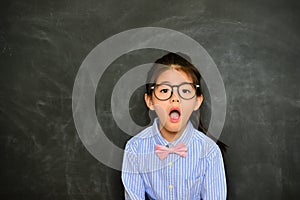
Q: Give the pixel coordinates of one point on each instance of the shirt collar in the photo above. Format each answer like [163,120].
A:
[186,136]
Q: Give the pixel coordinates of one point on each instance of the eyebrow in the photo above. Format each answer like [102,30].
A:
[168,82]
[164,82]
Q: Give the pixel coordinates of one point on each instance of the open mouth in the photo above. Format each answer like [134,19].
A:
[174,115]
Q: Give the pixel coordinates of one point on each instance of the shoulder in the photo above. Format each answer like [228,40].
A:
[138,140]
[205,144]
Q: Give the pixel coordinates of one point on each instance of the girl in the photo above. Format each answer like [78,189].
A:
[171,159]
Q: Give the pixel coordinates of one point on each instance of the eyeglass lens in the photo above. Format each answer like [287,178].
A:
[185,91]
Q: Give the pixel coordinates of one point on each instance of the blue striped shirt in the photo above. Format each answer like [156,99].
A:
[199,175]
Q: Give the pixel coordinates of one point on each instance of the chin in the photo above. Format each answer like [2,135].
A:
[175,128]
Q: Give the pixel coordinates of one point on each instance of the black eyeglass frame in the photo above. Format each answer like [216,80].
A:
[177,86]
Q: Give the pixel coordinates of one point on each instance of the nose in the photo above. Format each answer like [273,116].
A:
[175,97]
[175,100]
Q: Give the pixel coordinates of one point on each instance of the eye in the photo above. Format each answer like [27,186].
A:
[186,91]
[165,90]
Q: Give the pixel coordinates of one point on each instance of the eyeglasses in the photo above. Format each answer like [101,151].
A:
[164,92]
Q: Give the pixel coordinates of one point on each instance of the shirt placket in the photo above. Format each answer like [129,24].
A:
[171,177]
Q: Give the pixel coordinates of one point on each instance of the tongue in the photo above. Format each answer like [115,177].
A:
[174,115]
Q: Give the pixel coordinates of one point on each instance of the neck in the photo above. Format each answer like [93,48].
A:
[171,136]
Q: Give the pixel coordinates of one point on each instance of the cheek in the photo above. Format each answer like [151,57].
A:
[188,108]
[160,110]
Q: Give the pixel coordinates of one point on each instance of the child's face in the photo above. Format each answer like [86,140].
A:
[173,122]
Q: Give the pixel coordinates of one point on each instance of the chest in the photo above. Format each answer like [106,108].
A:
[173,178]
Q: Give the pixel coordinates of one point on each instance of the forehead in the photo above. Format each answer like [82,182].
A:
[174,76]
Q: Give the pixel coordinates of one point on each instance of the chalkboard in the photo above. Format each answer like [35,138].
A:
[254,44]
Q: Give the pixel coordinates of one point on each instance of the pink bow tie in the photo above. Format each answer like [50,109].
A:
[162,151]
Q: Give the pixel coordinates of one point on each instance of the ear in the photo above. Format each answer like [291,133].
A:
[148,101]
[198,102]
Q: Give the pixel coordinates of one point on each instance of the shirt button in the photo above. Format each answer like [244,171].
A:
[170,187]
[170,163]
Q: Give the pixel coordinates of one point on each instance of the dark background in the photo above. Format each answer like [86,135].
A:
[255,44]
